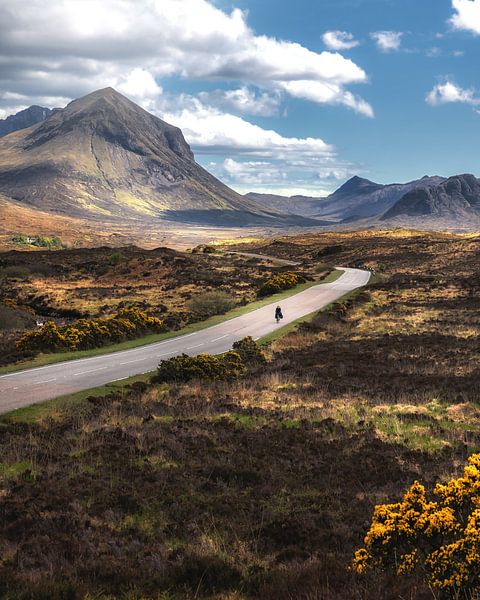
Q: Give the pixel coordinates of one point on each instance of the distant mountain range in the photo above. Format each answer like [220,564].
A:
[25,118]
[428,202]
[103,157]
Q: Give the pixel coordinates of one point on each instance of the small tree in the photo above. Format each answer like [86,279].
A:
[440,539]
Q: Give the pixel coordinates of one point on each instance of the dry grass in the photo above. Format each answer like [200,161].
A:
[260,488]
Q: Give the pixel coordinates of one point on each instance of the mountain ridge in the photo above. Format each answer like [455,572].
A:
[103,156]
[23,119]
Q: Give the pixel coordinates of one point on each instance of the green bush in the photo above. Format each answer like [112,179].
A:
[39,241]
[212,303]
[84,334]
[249,351]
[184,368]
[280,282]
[115,258]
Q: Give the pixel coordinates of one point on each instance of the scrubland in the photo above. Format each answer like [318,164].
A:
[262,487]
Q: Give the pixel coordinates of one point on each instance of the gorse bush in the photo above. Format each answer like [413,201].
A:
[204,366]
[127,323]
[228,366]
[249,351]
[212,303]
[440,539]
[280,282]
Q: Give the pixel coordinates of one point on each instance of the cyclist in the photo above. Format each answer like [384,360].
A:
[278,314]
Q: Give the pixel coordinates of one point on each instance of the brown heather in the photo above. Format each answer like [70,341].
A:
[262,487]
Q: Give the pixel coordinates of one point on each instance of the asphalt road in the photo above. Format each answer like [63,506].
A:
[28,387]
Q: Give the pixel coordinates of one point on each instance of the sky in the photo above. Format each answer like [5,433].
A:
[273,96]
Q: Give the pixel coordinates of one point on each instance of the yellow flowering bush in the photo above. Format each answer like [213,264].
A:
[127,323]
[280,282]
[440,538]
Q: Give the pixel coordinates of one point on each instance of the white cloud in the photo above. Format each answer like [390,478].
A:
[139,85]
[212,131]
[65,48]
[339,40]
[387,41]
[449,92]
[466,15]
[243,101]
[256,158]
[327,93]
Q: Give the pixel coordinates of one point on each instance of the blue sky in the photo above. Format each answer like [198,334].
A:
[273,95]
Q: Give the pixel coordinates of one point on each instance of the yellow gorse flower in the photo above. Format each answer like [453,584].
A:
[442,537]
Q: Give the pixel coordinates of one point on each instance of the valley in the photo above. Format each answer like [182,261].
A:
[239,300]
[261,486]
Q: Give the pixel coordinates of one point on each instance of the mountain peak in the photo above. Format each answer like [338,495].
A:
[107,115]
[357,185]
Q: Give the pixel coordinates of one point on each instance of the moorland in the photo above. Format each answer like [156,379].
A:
[258,487]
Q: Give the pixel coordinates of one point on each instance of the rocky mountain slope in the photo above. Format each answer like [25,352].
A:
[105,158]
[356,199]
[360,198]
[457,198]
[23,119]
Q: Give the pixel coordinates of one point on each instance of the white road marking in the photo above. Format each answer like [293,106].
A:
[40,382]
[219,338]
[197,346]
[128,362]
[89,371]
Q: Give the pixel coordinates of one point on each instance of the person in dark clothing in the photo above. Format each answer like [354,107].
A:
[278,314]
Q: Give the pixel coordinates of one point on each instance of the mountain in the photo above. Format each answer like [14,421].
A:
[456,199]
[305,206]
[360,198]
[103,157]
[23,119]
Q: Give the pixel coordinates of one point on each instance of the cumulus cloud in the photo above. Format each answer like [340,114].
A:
[339,40]
[466,15]
[211,131]
[387,41]
[65,48]
[251,158]
[449,92]
[244,101]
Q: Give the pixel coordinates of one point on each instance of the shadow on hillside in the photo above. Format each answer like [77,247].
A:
[231,218]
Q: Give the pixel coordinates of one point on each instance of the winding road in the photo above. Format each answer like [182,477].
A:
[31,386]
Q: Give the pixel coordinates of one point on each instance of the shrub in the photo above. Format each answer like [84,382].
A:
[249,351]
[127,323]
[280,282]
[440,539]
[212,303]
[39,241]
[204,366]
[115,258]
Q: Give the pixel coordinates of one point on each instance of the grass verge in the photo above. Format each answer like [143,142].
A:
[76,402]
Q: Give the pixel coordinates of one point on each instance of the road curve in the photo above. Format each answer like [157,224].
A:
[24,388]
